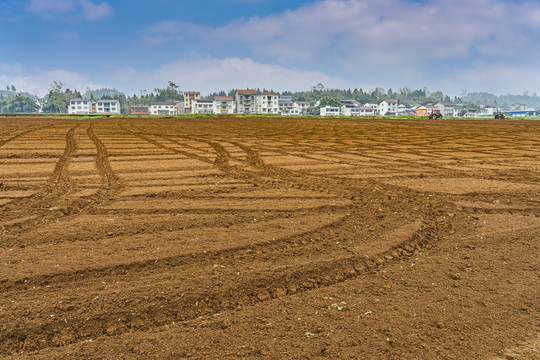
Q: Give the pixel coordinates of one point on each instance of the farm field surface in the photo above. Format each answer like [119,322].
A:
[133,238]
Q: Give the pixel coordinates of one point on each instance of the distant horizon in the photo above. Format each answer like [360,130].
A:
[444,45]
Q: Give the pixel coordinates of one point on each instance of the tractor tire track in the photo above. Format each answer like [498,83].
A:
[228,295]
[39,204]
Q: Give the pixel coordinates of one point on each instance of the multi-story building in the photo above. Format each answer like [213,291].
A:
[388,107]
[300,107]
[350,108]
[267,103]
[108,107]
[374,106]
[162,108]
[285,105]
[189,96]
[201,106]
[366,111]
[223,105]
[446,109]
[80,106]
[245,101]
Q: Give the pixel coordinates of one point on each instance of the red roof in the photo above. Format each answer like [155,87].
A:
[223,98]
[269,93]
[391,101]
[246,91]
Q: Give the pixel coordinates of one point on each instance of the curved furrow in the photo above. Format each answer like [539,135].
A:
[22,133]
[141,135]
[273,249]
[213,297]
[39,205]
[111,184]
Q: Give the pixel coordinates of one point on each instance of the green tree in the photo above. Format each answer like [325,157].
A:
[20,104]
[57,100]
[330,101]
[13,88]
[170,93]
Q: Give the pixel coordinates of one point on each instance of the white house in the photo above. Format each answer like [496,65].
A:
[245,101]
[366,111]
[201,106]
[79,106]
[330,111]
[286,105]
[162,108]
[223,105]
[374,106]
[388,107]
[350,110]
[108,107]
[267,103]
[446,109]
[300,107]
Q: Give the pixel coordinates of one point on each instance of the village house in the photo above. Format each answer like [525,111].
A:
[223,105]
[162,108]
[300,108]
[80,106]
[286,105]
[202,106]
[137,110]
[245,101]
[189,96]
[350,108]
[266,103]
[388,107]
[366,111]
[446,109]
[374,106]
[329,111]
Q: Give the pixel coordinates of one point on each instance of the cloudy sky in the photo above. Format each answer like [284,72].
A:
[135,45]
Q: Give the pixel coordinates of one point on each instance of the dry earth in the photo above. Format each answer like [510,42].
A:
[269,238]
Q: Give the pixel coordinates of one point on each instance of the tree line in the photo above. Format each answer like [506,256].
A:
[57,99]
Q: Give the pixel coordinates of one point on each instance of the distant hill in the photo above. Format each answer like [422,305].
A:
[99,93]
[489,99]
[7,94]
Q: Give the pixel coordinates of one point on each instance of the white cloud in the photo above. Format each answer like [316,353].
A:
[167,31]
[51,7]
[381,41]
[209,75]
[86,9]
[38,81]
[93,11]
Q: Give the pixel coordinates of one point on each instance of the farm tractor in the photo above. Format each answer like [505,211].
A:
[435,114]
[499,116]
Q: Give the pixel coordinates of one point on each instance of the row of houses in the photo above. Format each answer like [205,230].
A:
[391,107]
[244,102]
[249,102]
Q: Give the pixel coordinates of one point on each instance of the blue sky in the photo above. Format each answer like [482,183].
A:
[447,45]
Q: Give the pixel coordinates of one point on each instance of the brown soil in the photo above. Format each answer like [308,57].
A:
[269,238]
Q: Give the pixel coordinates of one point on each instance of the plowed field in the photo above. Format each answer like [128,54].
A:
[269,238]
